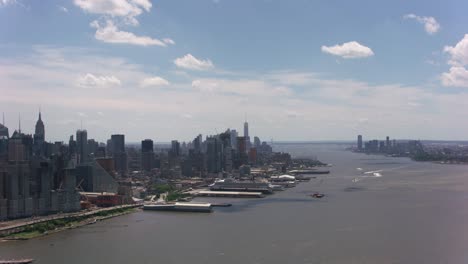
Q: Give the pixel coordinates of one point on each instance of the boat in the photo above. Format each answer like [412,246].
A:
[180,207]
[318,195]
[282,178]
[16,261]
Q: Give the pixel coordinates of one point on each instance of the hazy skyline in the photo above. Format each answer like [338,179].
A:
[299,70]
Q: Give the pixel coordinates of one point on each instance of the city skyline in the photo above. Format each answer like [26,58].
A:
[298,70]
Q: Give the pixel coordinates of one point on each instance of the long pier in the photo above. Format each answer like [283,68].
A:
[230,194]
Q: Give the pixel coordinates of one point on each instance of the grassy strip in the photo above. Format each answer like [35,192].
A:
[65,223]
[174,196]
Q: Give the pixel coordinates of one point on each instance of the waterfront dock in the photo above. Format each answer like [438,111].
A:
[230,194]
[180,207]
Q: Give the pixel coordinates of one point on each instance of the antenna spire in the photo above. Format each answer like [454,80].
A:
[3,120]
[19,123]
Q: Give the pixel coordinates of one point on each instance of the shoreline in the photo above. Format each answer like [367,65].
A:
[441,162]
[58,225]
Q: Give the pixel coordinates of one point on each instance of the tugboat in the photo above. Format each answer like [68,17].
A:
[317,195]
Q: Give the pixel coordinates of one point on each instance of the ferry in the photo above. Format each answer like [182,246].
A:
[180,207]
[282,178]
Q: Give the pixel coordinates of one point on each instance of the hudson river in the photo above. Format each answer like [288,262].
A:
[376,210]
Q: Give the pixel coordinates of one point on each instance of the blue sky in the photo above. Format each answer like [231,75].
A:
[299,70]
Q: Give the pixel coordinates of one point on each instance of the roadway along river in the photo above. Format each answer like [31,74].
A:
[414,213]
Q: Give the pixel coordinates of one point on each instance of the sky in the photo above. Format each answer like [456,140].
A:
[295,70]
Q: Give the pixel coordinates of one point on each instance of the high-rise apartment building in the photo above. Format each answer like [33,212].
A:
[82,145]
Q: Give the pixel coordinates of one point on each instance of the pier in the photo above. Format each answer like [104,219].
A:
[230,194]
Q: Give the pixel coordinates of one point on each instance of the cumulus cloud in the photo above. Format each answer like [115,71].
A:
[126,9]
[120,12]
[111,34]
[457,77]
[154,81]
[458,53]
[349,50]
[430,23]
[93,81]
[190,62]
[458,59]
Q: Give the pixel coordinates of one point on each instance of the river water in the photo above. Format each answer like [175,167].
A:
[400,212]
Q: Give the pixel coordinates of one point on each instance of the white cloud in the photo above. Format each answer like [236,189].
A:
[116,13]
[243,87]
[375,110]
[154,81]
[92,81]
[458,74]
[63,9]
[349,50]
[190,62]
[457,77]
[7,2]
[430,23]
[111,34]
[126,9]
[459,53]
[168,41]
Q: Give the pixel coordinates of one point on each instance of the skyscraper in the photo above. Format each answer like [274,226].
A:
[82,145]
[234,136]
[257,142]
[175,148]
[39,147]
[147,155]
[359,142]
[118,153]
[3,129]
[147,145]
[246,129]
[39,133]
[246,136]
[117,143]
[213,154]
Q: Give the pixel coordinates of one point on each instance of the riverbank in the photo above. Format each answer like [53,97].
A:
[57,225]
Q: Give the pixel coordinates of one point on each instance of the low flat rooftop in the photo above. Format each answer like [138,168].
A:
[230,193]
